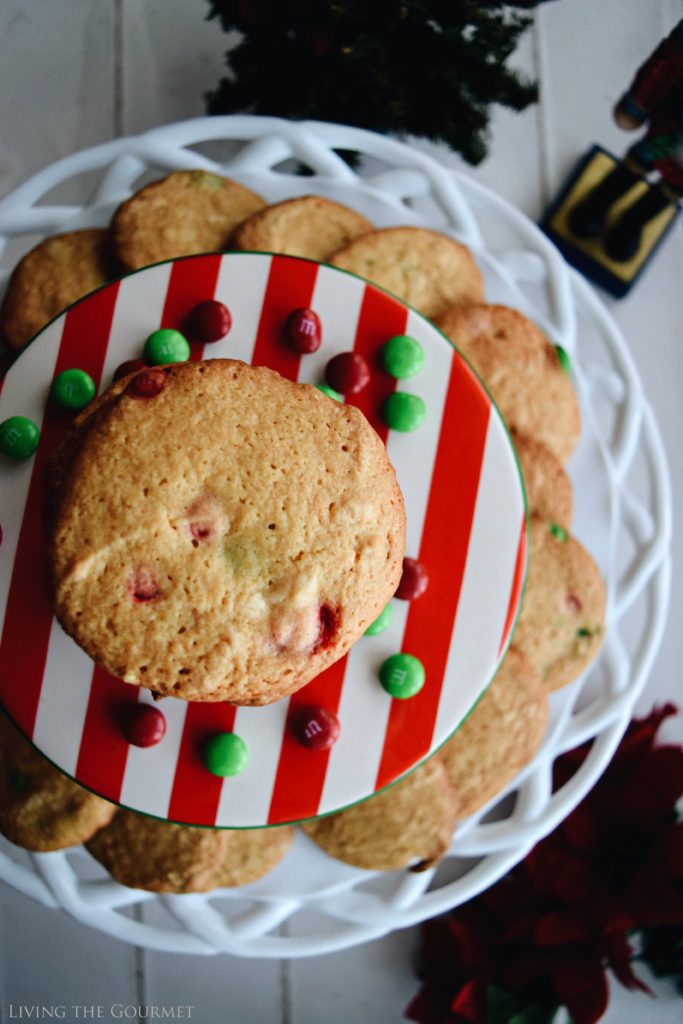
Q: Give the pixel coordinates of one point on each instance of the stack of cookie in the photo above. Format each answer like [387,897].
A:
[411,823]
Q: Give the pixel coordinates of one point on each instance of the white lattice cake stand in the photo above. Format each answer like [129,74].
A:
[623,516]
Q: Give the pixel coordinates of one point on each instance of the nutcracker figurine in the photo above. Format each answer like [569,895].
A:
[655,99]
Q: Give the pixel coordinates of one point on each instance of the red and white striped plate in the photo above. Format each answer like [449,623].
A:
[466,524]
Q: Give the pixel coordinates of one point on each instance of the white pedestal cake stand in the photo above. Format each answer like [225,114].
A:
[623,516]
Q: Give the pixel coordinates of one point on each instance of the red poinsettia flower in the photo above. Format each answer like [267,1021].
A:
[546,934]
[620,853]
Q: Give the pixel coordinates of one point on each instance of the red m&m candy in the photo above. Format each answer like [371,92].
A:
[303,330]
[148,384]
[209,321]
[145,726]
[315,727]
[347,373]
[130,366]
[414,580]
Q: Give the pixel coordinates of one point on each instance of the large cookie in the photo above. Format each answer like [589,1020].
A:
[209,551]
[522,371]
[562,621]
[186,212]
[145,853]
[310,226]
[409,824]
[40,808]
[500,736]
[57,272]
[546,483]
[426,269]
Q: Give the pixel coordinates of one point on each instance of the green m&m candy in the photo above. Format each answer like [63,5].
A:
[403,356]
[404,412]
[166,346]
[330,392]
[225,754]
[559,532]
[402,675]
[19,437]
[72,389]
[563,358]
[381,622]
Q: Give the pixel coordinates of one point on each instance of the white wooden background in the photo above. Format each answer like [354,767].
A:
[77,72]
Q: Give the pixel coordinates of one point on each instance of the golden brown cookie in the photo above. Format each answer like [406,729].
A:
[146,853]
[40,808]
[186,212]
[252,853]
[522,371]
[562,621]
[49,278]
[407,824]
[499,737]
[310,226]
[208,551]
[426,269]
[546,482]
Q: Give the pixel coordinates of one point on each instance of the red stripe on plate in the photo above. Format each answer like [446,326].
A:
[445,542]
[196,792]
[301,772]
[290,286]
[29,616]
[381,317]
[516,588]
[191,281]
[103,750]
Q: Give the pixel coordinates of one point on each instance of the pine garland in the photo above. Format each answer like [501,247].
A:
[429,68]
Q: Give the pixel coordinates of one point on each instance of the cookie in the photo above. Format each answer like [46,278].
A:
[499,737]
[408,824]
[40,808]
[49,278]
[209,551]
[522,371]
[251,853]
[547,485]
[426,269]
[146,853]
[186,212]
[562,621]
[310,226]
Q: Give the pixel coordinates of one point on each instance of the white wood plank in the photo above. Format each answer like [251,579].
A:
[48,959]
[56,83]
[219,988]
[171,57]
[373,982]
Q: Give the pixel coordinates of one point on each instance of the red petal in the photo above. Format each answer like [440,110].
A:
[588,1006]
[472,949]
[469,1002]
[619,955]
[560,927]
[577,973]
[641,732]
